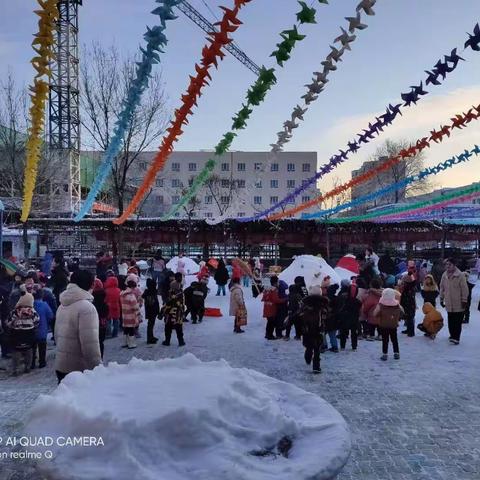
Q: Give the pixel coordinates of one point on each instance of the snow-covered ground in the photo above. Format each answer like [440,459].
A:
[183,418]
[412,419]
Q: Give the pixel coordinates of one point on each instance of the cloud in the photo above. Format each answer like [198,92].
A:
[416,122]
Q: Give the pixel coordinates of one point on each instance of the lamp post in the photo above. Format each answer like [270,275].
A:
[2,208]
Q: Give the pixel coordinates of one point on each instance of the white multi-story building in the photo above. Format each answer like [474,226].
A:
[237,174]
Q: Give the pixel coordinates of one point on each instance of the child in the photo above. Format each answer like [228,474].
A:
[388,313]
[296,293]
[348,313]
[174,311]
[271,300]
[195,296]
[45,316]
[368,307]
[433,321]
[237,306]
[112,299]
[102,310]
[331,321]
[130,311]
[152,309]
[313,315]
[361,296]
[409,303]
[22,325]
[430,290]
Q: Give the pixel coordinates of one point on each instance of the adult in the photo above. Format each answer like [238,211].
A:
[454,297]
[104,263]
[386,265]
[59,279]
[471,282]
[372,257]
[237,306]
[158,268]
[122,273]
[221,278]
[77,327]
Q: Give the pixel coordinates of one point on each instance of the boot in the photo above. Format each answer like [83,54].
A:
[125,341]
[131,342]
[384,357]
[396,356]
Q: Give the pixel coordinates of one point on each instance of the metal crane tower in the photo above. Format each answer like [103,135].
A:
[208,27]
[64,112]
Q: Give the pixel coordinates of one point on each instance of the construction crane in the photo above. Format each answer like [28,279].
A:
[196,17]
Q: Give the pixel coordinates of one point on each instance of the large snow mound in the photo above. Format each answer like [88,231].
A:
[191,267]
[313,269]
[179,419]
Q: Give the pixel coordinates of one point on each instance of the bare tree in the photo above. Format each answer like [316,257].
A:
[405,168]
[190,210]
[105,80]
[222,191]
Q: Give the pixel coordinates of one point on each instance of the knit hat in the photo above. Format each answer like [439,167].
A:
[389,298]
[132,278]
[25,301]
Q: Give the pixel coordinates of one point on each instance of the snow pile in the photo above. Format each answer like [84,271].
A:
[347,267]
[180,419]
[313,269]
[191,267]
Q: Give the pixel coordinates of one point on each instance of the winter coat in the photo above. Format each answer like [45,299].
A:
[101,306]
[221,275]
[174,309]
[23,329]
[361,296]
[195,295]
[386,265]
[58,281]
[296,294]
[454,291]
[45,316]
[347,310]
[433,321]
[271,301]
[430,296]
[150,300]
[49,298]
[387,317]
[236,271]
[236,300]
[130,308]
[313,314]
[76,332]
[407,299]
[371,301]
[112,297]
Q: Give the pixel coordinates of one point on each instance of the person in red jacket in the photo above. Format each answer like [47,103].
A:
[112,299]
[271,300]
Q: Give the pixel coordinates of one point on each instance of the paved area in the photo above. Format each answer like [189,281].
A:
[417,418]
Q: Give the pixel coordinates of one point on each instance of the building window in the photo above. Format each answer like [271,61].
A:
[290,183]
[273,183]
[257,200]
[257,167]
[192,167]
[304,182]
[306,167]
[208,214]
[175,167]
[305,198]
[258,184]
[224,199]
[176,183]
[159,182]
[273,200]
[241,167]
[190,182]
[291,201]
[143,165]
[274,167]
[208,200]
[290,167]
[241,183]
[241,214]
[225,167]
[160,199]
[193,214]
[225,183]
[175,199]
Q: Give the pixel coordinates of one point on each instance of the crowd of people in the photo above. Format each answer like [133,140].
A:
[82,310]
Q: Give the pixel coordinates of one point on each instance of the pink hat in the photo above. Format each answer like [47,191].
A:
[389,298]
[132,278]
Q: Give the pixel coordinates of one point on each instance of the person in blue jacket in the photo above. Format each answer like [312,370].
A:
[46,317]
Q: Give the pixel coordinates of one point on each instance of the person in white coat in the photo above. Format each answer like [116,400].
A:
[76,327]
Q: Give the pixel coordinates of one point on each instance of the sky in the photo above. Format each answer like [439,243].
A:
[404,38]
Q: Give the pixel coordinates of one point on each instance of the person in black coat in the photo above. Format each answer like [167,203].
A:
[296,293]
[429,290]
[347,313]
[386,265]
[408,303]
[331,323]
[195,296]
[164,286]
[314,313]
[102,310]
[221,278]
[152,308]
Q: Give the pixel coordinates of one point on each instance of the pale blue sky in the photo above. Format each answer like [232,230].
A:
[404,38]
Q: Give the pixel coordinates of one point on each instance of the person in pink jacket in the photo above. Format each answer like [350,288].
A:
[130,312]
